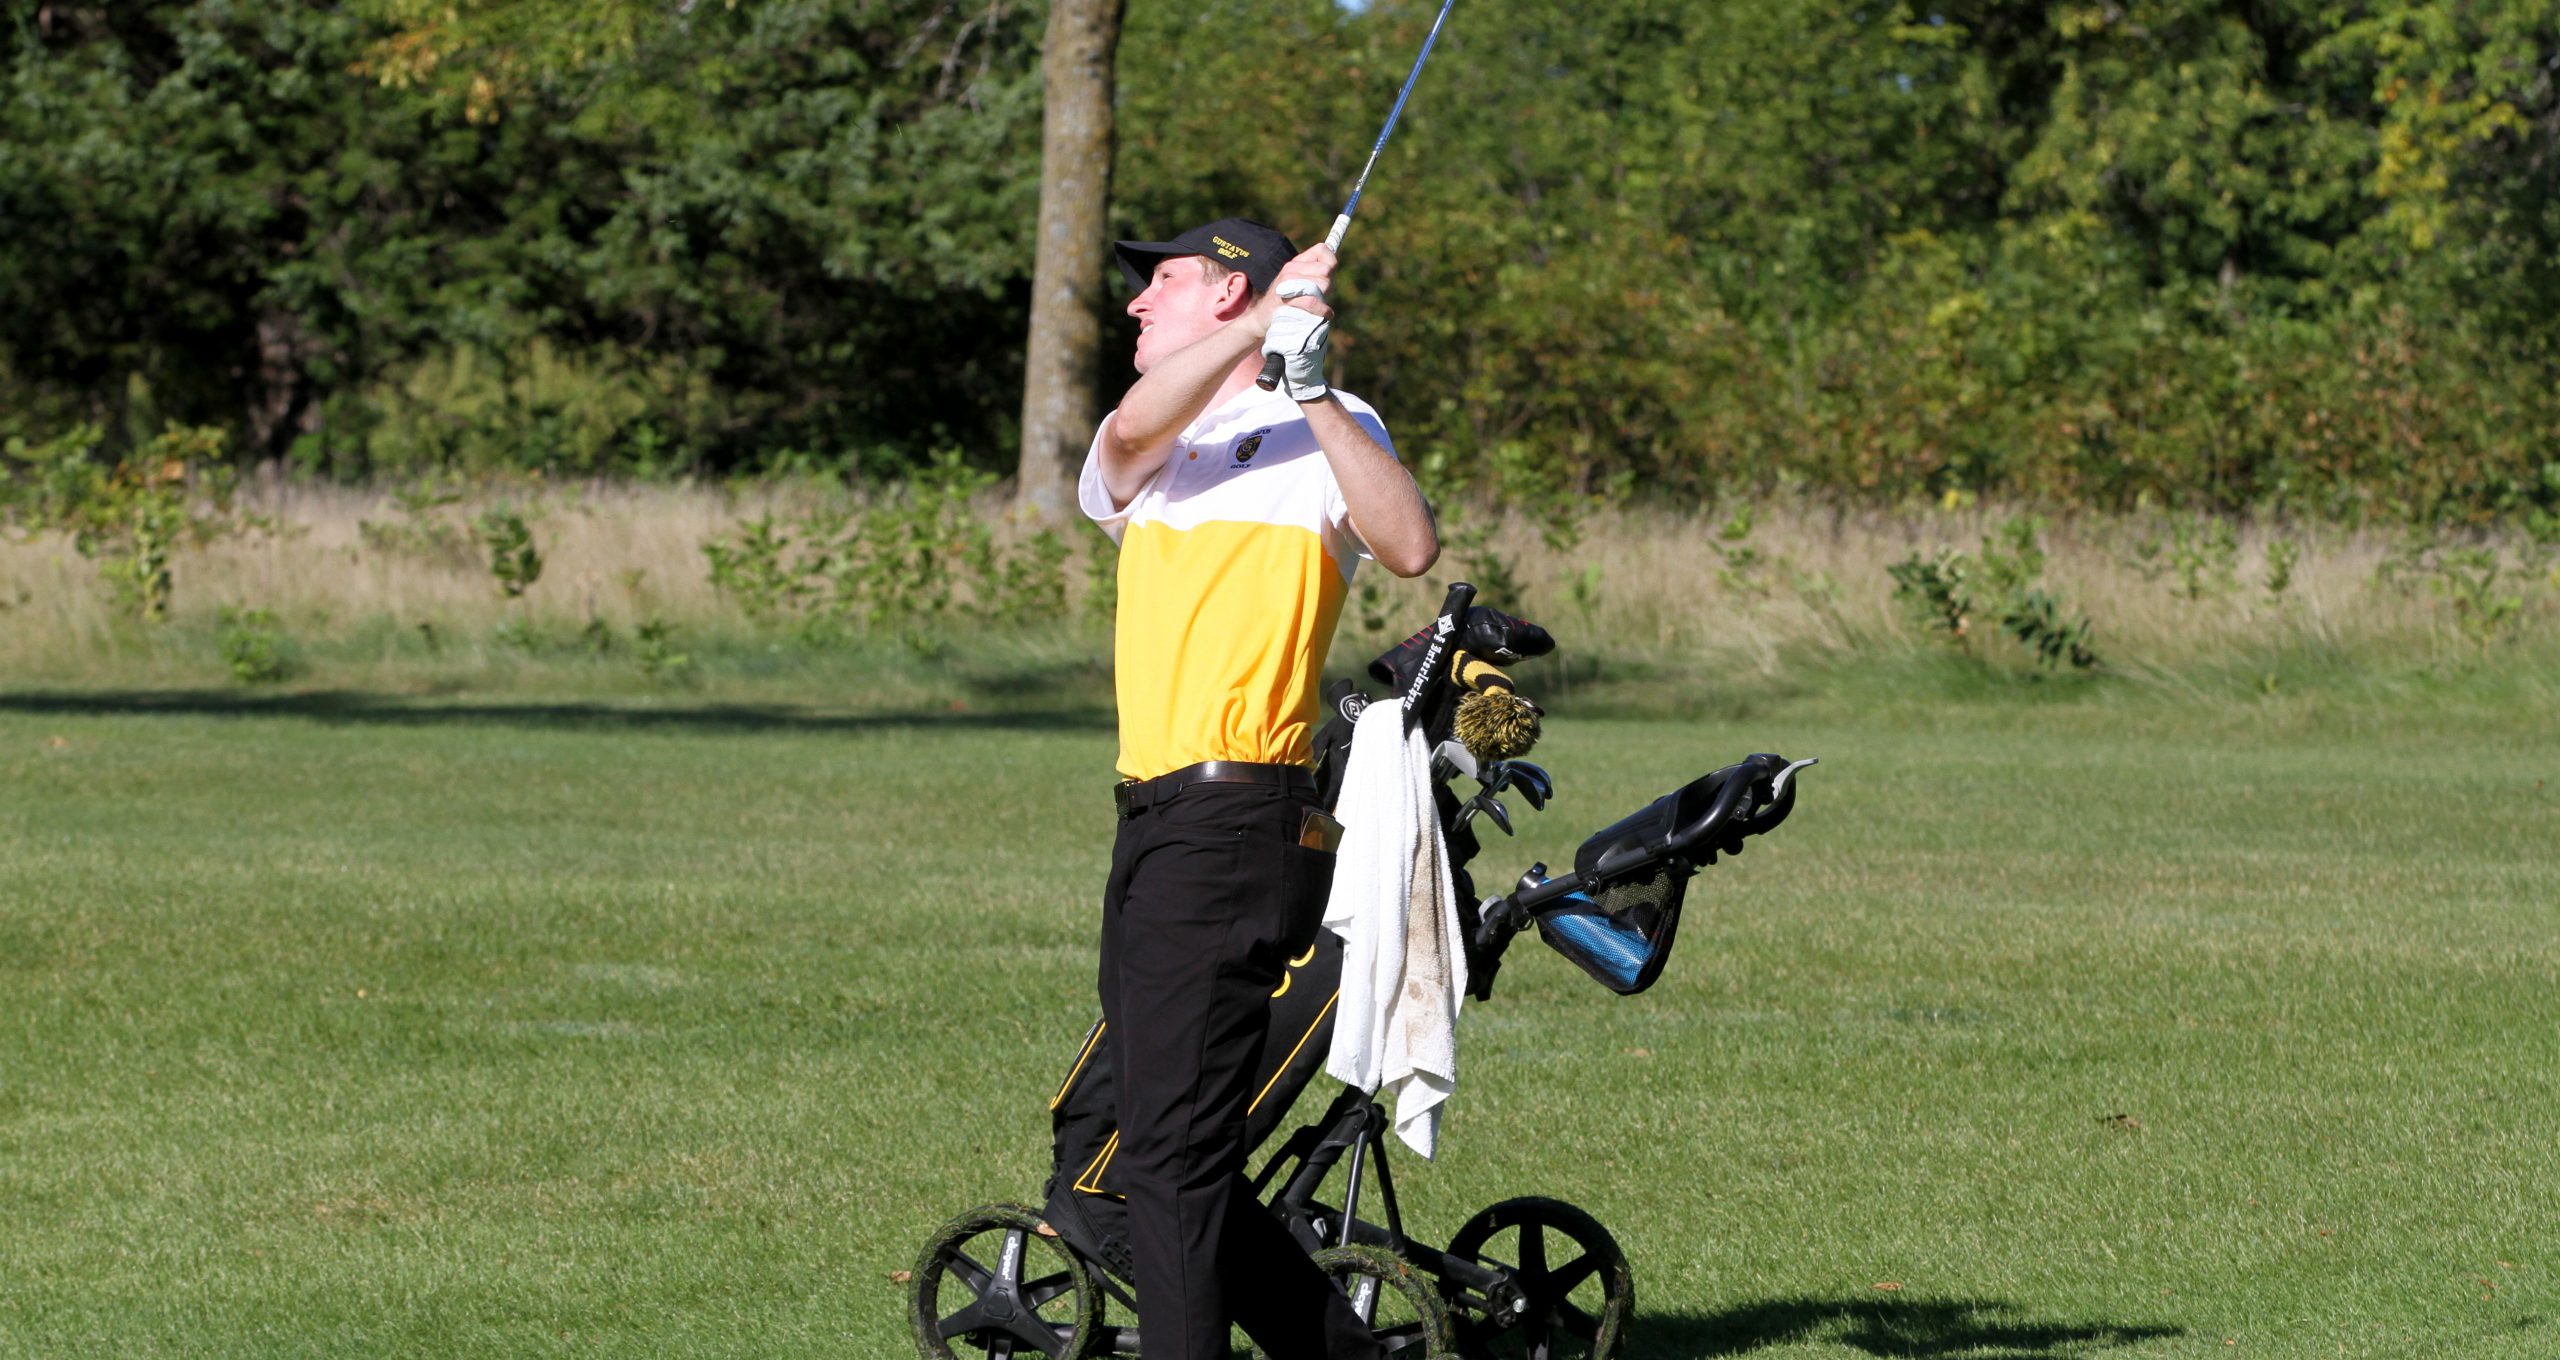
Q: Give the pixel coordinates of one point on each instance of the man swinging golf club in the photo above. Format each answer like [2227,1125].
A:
[1240,515]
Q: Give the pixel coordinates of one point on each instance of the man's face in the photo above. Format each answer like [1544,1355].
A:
[1182,304]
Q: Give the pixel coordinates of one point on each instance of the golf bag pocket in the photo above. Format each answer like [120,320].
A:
[1622,937]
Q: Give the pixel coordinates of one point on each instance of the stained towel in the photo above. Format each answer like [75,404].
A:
[1404,969]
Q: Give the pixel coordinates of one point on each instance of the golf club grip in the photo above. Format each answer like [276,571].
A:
[1341,225]
[1433,691]
[1273,365]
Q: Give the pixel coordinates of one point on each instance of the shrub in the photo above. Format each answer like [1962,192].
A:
[1744,569]
[655,651]
[1934,591]
[537,407]
[896,566]
[2283,555]
[1943,594]
[514,563]
[422,531]
[754,567]
[2201,552]
[129,515]
[2467,579]
[1027,584]
[252,645]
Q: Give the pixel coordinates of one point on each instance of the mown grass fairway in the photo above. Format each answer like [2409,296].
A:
[341,1027]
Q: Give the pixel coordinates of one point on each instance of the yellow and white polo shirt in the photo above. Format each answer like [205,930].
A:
[1234,560]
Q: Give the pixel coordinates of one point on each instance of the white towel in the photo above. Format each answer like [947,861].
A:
[1404,969]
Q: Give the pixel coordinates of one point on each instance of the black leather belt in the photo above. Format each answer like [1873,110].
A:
[1133,796]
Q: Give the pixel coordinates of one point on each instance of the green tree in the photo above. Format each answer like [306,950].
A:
[2304,252]
[713,236]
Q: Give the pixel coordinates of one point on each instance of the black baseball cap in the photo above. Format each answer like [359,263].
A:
[1241,244]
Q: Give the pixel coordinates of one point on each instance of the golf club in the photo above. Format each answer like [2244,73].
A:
[1273,364]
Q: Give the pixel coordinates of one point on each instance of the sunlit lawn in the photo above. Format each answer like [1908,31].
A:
[337,1026]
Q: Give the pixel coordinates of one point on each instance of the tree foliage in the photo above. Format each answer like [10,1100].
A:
[2301,252]
[786,225]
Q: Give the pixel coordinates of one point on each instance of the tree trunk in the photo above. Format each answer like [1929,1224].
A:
[1070,265]
[279,382]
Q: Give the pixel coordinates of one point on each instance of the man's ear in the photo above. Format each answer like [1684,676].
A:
[1235,295]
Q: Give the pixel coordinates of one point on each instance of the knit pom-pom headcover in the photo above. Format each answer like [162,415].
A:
[1494,720]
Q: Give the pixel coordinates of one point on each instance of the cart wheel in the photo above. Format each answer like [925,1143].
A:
[1402,1309]
[1575,1292]
[990,1284]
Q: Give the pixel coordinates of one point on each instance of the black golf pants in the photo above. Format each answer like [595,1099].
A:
[1210,897]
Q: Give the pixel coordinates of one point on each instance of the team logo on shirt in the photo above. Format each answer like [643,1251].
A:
[1249,446]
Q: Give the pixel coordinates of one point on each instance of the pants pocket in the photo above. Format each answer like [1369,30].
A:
[1306,878]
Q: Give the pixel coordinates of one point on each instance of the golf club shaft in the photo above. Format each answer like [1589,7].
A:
[1342,223]
[1273,364]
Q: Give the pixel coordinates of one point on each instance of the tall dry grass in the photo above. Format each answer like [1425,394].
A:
[1815,587]
[1807,585]
[620,554]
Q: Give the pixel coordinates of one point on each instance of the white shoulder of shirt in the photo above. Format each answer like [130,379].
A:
[1257,407]
[1248,422]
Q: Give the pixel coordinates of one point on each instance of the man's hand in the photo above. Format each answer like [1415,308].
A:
[1297,321]
[1297,337]
[1314,265]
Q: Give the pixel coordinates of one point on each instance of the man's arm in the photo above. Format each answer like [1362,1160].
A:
[1137,438]
[1387,509]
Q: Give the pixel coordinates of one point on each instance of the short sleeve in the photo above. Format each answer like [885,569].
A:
[1092,497]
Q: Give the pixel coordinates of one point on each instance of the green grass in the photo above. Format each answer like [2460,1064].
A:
[2102,1023]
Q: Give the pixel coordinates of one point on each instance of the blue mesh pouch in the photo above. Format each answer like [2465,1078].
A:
[1621,935]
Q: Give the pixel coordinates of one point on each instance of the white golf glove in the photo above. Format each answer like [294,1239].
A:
[1298,337]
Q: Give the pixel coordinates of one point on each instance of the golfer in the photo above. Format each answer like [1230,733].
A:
[1240,515]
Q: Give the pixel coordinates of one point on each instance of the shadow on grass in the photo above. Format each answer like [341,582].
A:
[356,708]
[1905,1329]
